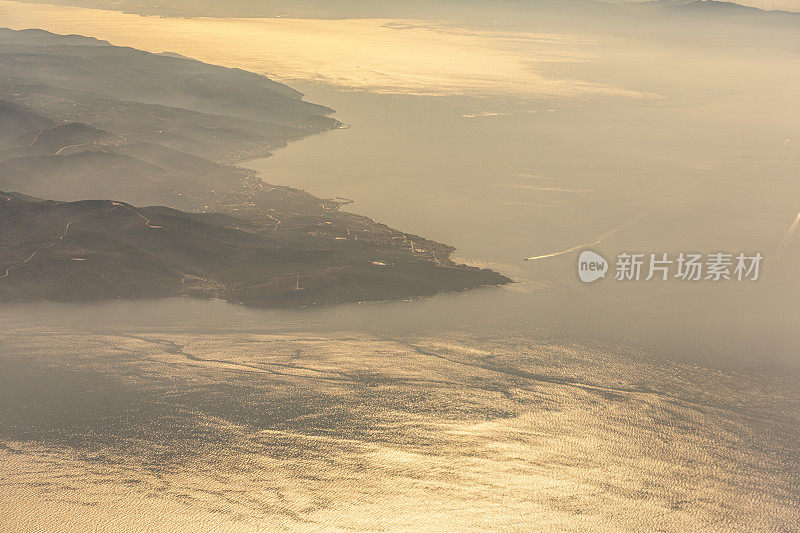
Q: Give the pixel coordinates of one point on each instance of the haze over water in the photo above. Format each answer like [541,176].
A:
[615,406]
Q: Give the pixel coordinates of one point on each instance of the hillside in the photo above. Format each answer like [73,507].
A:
[220,113]
[100,249]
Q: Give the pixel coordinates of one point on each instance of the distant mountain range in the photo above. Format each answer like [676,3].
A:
[363,8]
[103,130]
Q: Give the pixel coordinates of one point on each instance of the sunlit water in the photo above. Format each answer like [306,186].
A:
[395,56]
[547,405]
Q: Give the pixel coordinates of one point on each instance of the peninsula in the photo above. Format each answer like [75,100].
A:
[118,167]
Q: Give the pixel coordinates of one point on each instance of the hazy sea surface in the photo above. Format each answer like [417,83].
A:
[547,405]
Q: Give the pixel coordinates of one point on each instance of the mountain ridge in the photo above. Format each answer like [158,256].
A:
[101,249]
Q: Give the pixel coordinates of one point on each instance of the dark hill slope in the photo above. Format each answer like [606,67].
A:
[92,250]
[17,121]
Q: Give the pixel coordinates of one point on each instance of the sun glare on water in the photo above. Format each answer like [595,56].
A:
[380,55]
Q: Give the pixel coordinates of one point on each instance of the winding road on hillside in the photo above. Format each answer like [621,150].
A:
[148,223]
